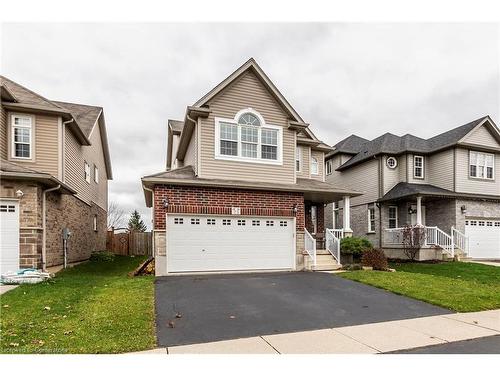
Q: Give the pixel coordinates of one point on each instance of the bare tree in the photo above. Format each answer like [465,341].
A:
[116,215]
[413,240]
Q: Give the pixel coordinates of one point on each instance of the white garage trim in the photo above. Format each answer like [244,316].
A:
[220,243]
[9,234]
[484,238]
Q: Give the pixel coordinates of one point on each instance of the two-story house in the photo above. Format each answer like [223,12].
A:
[244,186]
[449,184]
[54,172]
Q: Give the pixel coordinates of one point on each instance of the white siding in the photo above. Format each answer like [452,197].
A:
[391,176]
[482,136]
[413,180]
[440,172]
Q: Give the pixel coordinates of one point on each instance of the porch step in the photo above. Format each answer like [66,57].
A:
[324,262]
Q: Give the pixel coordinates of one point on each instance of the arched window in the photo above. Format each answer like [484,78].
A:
[314,166]
[248,138]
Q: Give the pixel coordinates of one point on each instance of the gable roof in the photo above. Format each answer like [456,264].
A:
[393,145]
[81,118]
[350,145]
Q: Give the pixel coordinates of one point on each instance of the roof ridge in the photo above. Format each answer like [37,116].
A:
[73,103]
[31,91]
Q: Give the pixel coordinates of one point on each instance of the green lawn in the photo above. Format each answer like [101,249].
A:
[458,286]
[91,308]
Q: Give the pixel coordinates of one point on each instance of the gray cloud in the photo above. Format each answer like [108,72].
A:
[342,78]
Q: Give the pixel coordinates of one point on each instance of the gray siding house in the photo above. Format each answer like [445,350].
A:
[449,184]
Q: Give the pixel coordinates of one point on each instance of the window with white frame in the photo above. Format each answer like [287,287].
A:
[393,217]
[329,167]
[86,171]
[418,166]
[371,219]
[314,166]
[298,159]
[481,165]
[248,138]
[96,174]
[21,137]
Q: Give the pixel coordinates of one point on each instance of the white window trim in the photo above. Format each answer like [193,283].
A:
[96,174]
[423,167]
[258,160]
[86,175]
[298,158]
[370,229]
[329,167]
[485,169]
[12,136]
[395,162]
[316,173]
[392,218]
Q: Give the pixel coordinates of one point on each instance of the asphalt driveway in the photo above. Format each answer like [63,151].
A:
[222,307]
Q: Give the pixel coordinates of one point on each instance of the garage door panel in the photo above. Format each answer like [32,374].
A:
[9,234]
[203,247]
[484,238]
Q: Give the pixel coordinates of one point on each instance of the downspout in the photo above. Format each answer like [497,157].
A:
[44,232]
[153,250]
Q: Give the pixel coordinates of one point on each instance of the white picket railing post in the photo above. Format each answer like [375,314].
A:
[310,245]
[332,243]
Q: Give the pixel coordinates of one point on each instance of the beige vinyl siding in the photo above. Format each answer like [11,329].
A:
[440,172]
[391,176]
[75,156]
[45,138]
[246,92]
[320,157]
[305,162]
[402,168]
[363,177]
[466,184]
[3,133]
[410,161]
[482,136]
[192,150]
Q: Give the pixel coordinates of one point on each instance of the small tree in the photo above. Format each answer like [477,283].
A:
[116,215]
[135,223]
[413,240]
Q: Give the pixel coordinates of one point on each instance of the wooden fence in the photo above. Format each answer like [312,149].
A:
[129,243]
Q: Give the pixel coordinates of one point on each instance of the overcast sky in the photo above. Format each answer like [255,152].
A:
[366,79]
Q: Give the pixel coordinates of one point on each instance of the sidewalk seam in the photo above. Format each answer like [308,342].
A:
[352,338]
[268,343]
[473,324]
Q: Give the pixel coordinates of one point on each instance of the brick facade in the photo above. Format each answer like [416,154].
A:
[218,201]
[62,211]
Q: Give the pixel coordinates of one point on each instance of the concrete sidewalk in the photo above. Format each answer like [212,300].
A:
[365,338]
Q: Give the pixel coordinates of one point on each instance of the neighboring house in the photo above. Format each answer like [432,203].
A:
[54,172]
[449,183]
[244,184]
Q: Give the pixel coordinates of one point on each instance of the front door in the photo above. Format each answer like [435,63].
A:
[414,215]
[314,219]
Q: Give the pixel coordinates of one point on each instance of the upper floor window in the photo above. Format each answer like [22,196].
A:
[298,159]
[248,138]
[21,137]
[86,171]
[314,166]
[418,166]
[329,167]
[481,165]
[96,174]
[392,162]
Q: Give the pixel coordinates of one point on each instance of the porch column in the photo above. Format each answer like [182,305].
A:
[334,206]
[347,217]
[419,210]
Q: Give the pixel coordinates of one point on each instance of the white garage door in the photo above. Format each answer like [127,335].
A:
[214,243]
[484,238]
[9,236]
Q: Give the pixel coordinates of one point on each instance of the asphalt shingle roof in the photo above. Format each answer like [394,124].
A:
[85,115]
[392,144]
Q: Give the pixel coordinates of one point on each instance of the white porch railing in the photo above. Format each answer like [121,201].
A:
[332,243]
[310,245]
[339,233]
[460,240]
[433,237]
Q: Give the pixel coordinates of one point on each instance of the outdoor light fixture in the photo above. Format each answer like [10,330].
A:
[295,208]
[464,209]
[411,211]
[165,203]
[19,193]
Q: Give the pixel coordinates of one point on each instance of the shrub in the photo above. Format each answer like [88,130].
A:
[354,245]
[374,258]
[102,256]
[352,267]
